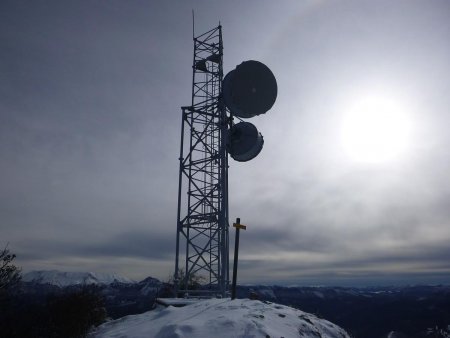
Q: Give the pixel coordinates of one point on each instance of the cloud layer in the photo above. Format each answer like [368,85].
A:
[90,98]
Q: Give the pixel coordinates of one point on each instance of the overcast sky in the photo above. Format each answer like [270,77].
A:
[90,96]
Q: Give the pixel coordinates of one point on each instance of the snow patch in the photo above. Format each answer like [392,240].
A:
[220,318]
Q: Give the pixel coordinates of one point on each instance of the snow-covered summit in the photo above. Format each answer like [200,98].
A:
[222,318]
[63,279]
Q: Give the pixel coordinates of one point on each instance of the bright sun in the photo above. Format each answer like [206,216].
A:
[375,130]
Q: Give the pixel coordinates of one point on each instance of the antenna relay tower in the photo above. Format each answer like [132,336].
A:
[208,135]
[202,228]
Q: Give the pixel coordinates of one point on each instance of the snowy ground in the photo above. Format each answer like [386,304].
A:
[222,318]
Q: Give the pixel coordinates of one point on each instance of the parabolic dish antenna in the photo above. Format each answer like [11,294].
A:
[244,142]
[250,89]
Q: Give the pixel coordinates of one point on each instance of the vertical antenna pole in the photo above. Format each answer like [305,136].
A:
[238,227]
[180,181]
[193,25]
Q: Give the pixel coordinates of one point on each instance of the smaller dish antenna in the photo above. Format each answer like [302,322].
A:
[250,89]
[244,142]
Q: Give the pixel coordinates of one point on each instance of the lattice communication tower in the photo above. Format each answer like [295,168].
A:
[208,135]
[202,229]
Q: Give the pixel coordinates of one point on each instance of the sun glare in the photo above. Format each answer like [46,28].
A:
[375,130]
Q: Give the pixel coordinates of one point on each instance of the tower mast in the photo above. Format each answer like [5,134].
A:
[202,217]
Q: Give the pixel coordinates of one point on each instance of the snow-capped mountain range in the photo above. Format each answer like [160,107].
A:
[121,296]
[63,279]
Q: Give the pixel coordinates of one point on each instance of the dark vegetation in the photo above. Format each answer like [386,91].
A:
[69,314]
[44,310]
[193,282]
[9,273]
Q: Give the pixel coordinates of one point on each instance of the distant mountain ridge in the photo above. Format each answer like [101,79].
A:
[63,279]
[373,312]
[121,296]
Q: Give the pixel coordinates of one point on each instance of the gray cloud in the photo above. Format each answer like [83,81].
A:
[127,244]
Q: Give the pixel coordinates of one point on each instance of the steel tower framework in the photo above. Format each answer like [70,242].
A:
[202,218]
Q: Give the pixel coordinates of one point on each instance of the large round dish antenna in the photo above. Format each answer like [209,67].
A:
[244,142]
[250,89]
